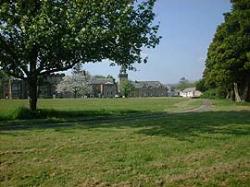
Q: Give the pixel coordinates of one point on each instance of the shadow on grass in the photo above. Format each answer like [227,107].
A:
[176,125]
[26,114]
[185,125]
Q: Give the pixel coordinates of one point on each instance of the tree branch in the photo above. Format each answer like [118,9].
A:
[15,75]
[47,72]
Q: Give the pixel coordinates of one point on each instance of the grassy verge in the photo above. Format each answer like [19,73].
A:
[72,108]
[152,148]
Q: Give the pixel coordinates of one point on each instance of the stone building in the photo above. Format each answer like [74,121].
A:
[103,87]
[18,89]
[148,89]
[14,89]
[47,88]
[144,88]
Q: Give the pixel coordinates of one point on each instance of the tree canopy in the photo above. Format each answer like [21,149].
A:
[228,59]
[184,83]
[41,37]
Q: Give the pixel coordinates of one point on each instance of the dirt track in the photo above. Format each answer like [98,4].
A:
[206,106]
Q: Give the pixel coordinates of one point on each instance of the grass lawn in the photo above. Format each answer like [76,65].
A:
[126,142]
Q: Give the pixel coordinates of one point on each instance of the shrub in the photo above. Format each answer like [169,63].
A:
[211,94]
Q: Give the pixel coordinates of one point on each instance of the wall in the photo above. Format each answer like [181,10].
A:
[149,92]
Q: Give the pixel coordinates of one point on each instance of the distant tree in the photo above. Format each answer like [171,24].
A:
[110,77]
[172,88]
[184,83]
[183,80]
[77,69]
[41,37]
[126,87]
[76,84]
[228,59]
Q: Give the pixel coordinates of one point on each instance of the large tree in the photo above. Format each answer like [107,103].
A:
[40,37]
[228,60]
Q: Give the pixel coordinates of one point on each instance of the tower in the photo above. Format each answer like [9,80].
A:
[123,76]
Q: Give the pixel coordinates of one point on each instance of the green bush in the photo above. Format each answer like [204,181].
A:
[211,94]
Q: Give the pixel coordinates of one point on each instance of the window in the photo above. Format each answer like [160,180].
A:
[15,87]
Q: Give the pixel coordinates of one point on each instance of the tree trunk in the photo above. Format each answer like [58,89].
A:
[10,88]
[236,92]
[32,79]
[229,95]
[33,94]
[246,90]
[248,94]
[232,95]
[75,93]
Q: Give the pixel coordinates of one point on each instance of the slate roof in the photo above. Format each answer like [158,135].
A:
[147,84]
[101,81]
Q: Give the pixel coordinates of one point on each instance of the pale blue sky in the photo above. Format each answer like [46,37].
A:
[187,28]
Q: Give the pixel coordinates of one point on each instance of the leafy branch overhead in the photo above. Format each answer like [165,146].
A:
[41,37]
[58,34]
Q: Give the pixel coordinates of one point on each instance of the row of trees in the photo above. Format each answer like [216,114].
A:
[40,37]
[227,69]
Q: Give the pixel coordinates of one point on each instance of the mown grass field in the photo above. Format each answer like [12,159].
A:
[126,142]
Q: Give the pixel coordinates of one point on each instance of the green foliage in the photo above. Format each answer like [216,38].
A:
[2,75]
[126,87]
[184,83]
[228,55]
[38,38]
[211,94]
[200,85]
